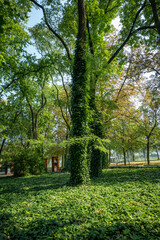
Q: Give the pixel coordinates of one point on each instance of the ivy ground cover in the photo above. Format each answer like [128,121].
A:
[122,204]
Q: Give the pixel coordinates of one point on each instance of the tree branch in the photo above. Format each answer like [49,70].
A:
[65,92]
[129,35]
[22,74]
[32,113]
[106,10]
[68,126]
[155,15]
[155,124]
[143,28]
[123,83]
[52,30]
[44,102]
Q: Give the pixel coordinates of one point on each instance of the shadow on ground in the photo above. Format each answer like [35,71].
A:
[33,183]
[58,180]
[43,229]
[112,176]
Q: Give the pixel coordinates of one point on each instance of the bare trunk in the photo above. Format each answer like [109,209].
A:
[127,155]
[144,154]
[124,155]
[2,145]
[35,128]
[109,156]
[148,160]
[157,153]
[133,157]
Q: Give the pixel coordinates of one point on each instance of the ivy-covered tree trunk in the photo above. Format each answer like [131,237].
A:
[79,105]
[96,155]
[98,159]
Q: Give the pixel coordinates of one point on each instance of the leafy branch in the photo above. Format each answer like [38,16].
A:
[64,118]
[131,32]
[52,30]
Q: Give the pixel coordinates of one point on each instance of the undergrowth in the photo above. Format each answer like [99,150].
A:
[122,204]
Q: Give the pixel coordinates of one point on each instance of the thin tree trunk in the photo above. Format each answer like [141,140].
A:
[148,138]
[144,154]
[127,155]
[109,156]
[124,155]
[148,143]
[2,145]
[133,157]
[157,153]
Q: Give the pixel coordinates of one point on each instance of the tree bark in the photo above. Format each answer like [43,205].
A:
[155,14]
[2,145]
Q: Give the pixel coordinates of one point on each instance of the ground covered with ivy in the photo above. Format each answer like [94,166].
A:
[122,204]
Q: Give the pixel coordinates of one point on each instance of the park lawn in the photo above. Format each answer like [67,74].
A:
[136,163]
[122,204]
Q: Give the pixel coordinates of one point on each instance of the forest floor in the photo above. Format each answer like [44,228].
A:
[121,204]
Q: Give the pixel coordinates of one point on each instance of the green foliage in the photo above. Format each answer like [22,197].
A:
[122,204]
[145,18]
[29,160]
[100,151]
[12,34]
[29,81]
[35,157]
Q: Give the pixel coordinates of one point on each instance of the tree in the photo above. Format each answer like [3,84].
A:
[13,16]
[92,49]
[79,116]
[134,26]
[149,120]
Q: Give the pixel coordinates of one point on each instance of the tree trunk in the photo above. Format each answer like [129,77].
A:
[105,162]
[128,155]
[97,155]
[2,145]
[78,150]
[98,158]
[148,160]
[109,156]
[124,155]
[133,157]
[144,154]
[157,153]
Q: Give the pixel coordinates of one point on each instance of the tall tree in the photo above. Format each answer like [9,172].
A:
[79,104]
